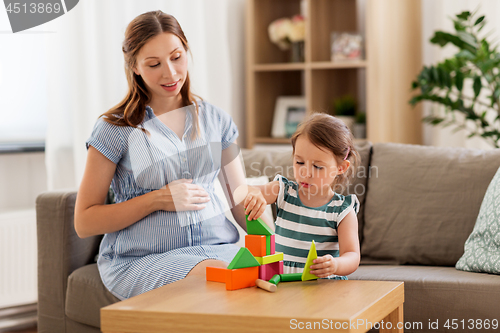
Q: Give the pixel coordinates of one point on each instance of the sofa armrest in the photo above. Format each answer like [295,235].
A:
[60,252]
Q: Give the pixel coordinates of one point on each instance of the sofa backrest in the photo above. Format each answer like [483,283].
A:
[422,202]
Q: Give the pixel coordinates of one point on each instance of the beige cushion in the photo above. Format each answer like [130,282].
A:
[86,295]
[422,202]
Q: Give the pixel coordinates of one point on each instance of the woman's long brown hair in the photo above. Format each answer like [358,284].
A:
[132,109]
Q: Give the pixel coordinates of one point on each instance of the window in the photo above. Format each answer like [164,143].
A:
[23,85]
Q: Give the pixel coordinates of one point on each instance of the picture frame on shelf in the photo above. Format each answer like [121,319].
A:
[346,46]
[288,113]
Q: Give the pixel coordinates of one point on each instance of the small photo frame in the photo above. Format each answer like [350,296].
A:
[346,46]
[288,113]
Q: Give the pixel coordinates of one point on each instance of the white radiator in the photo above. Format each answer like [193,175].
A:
[18,258]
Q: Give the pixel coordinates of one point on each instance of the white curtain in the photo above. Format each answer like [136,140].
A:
[86,74]
[436,15]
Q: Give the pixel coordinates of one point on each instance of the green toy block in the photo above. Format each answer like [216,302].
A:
[275,279]
[243,259]
[268,245]
[258,227]
[306,275]
[291,277]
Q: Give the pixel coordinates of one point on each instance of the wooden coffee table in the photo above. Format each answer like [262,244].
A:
[196,305]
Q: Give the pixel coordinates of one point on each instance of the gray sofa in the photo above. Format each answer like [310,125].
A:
[418,206]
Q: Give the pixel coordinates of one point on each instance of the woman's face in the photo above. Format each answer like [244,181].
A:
[162,64]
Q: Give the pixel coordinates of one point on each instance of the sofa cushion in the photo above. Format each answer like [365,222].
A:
[270,162]
[422,202]
[86,295]
[482,248]
[440,293]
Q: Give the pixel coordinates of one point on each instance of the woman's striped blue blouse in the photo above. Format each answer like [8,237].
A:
[164,246]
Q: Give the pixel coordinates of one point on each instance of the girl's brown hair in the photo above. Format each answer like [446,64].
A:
[132,109]
[327,132]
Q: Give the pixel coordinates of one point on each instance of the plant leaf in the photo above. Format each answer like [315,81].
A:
[459,80]
[477,86]
[442,38]
[458,25]
[467,38]
[479,20]
[465,54]
[464,15]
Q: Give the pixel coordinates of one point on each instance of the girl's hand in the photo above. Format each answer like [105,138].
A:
[255,203]
[324,266]
[181,195]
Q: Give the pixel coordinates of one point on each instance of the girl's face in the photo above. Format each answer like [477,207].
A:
[315,169]
[162,64]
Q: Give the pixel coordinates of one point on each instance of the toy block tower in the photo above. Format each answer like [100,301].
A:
[260,241]
[257,260]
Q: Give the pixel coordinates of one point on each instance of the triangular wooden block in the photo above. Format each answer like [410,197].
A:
[310,257]
[258,227]
[243,259]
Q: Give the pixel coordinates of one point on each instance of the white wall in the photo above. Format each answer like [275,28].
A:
[22,178]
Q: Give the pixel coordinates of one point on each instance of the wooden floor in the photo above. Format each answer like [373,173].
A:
[27,330]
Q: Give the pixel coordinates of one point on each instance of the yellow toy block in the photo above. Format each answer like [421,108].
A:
[310,257]
[278,256]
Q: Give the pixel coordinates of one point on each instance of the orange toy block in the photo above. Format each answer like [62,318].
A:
[256,244]
[241,277]
[216,274]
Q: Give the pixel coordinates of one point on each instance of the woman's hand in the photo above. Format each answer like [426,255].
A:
[255,203]
[181,195]
[324,266]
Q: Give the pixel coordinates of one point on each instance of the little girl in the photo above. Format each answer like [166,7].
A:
[308,208]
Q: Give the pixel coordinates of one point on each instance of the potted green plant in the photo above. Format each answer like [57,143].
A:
[475,65]
[345,109]
[360,126]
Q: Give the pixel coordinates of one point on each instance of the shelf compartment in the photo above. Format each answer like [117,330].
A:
[264,12]
[342,17]
[279,67]
[268,87]
[332,65]
[330,84]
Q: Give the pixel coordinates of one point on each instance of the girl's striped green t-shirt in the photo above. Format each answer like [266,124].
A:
[297,225]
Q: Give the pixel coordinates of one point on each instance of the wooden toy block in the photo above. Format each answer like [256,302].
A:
[216,274]
[256,244]
[278,256]
[272,245]
[243,259]
[268,245]
[290,277]
[241,277]
[258,227]
[306,275]
[275,279]
[266,285]
[267,271]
